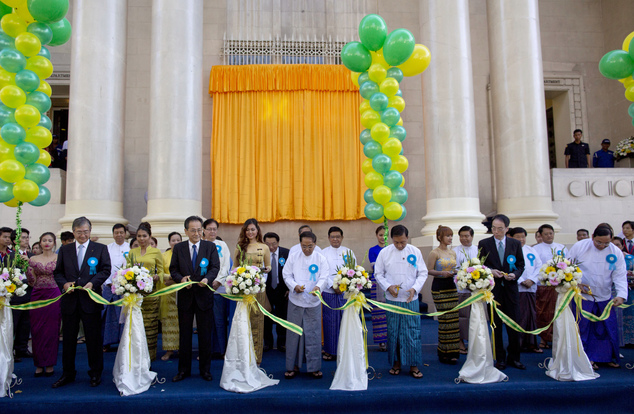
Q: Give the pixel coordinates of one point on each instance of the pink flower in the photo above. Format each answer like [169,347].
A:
[257,280]
[455,279]
[470,269]
[491,282]
[113,289]
[141,285]
[561,265]
[229,282]
[5,276]
[553,282]
[351,272]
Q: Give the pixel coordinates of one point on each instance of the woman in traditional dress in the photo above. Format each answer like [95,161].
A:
[46,321]
[168,311]
[379,320]
[442,265]
[152,259]
[252,251]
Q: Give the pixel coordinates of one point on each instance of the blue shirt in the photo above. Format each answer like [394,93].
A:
[603,159]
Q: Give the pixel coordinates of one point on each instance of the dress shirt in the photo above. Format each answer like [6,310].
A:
[545,250]
[530,272]
[191,249]
[471,253]
[117,258]
[85,251]
[298,249]
[596,269]
[392,268]
[225,265]
[295,272]
[335,261]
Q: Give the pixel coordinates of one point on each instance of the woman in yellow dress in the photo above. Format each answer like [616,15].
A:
[252,251]
[152,259]
[168,312]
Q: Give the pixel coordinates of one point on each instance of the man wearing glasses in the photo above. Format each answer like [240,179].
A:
[602,265]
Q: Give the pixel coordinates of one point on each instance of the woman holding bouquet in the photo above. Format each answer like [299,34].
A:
[45,322]
[442,264]
[168,312]
[152,259]
[251,250]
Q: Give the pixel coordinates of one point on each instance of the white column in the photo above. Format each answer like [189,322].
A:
[519,113]
[94,185]
[451,171]
[175,178]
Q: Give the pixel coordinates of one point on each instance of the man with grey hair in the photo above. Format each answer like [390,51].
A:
[83,264]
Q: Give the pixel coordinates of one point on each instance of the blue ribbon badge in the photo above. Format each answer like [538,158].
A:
[611,259]
[282,261]
[219,250]
[411,259]
[313,269]
[629,259]
[560,252]
[92,262]
[203,266]
[531,257]
[125,254]
[511,261]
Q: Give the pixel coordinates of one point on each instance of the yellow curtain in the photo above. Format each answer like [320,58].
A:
[285,143]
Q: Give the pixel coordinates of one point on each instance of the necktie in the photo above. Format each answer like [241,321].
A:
[80,255]
[194,257]
[629,246]
[501,252]
[273,271]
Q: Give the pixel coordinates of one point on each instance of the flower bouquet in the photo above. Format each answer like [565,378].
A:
[624,148]
[132,280]
[245,280]
[12,283]
[561,273]
[350,278]
[475,276]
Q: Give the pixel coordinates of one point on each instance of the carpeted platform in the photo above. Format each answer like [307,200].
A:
[526,391]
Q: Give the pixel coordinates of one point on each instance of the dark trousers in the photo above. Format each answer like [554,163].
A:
[279,305]
[94,341]
[21,331]
[508,297]
[204,322]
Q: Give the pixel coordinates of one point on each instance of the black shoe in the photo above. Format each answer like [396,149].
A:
[26,354]
[95,381]
[281,348]
[49,374]
[17,359]
[64,380]
[516,364]
[180,376]
[39,374]
[206,376]
[500,365]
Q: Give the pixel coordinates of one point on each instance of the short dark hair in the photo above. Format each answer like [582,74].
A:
[630,222]
[399,230]
[80,221]
[602,231]
[617,238]
[577,130]
[465,228]
[192,218]
[174,233]
[6,230]
[517,230]
[155,240]
[132,240]
[504,219]
[586,230]
[545,226]
[209,221]
[271,235]
[304,226]
[334,229]
[308,235]
[378,229]
[66,235]
[146,227]
[14,233]
[118,226]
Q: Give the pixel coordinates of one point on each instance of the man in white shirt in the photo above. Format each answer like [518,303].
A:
[527,287]
[335,255]
[305,273]
[117,250]
[546,298]
[297,248]
[401,272]
[465,251]
[602,265]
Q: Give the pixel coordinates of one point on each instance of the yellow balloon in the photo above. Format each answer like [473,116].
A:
[389,86]
[12,171]
[393,210]
[40,136]
[25,190]
[400,163]
[6,151]
[6,78]
[377,72]
[380,132]
[417,62]
[45,158]
[42,67]
[377,57]
[28,44]
[14,3]
[23,12]
[392,147]
[12,96]
[46,88]
[396,102]
[402,182]
[628,82]
[365,105]
[366,165]
[382,194]
[626,42]
[624,80]
[355,78]
[27,115]
[368,118]
[11,203]
[372,179]
[12,24]
[378,221]
[629,94]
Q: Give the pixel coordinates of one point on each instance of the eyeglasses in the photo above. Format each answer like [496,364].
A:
[82,232]
[602,244]
[304,247]
[195,230]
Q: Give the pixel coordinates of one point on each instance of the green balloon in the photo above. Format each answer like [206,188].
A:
[37,173]
[45,121]
[61,32]
[617,64]
[631,50]
[399,93]
[42,31]
[12,60]
[40,100]
[372,149]
[6,41]
[372,31]
[26,153]
[381,163]
[6,191]
[630,110]
[6,115]
[368,88]
[393,179]
[398,46]
[364,77]
[27,80]
[390,116]
[43,197]
[379,101]
[4,9]
[373,211]
[47,11]
[399,194]
[399,132]
[44,52]
[395,73]
[365,137]
[13,133]
[367,196]
[402,215]
[355,57]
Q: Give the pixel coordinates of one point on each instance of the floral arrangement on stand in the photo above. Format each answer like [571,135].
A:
[245,280]
[561,273]
[350,278]
[133,279]
[12,282]
[624,148]
[475,276]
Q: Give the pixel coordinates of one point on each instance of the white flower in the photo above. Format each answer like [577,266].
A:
[247,291]
[255,289]
[133,289]
[475,261]
[119,291]
[242,286]
[240,279]
[235,290]
[249,282]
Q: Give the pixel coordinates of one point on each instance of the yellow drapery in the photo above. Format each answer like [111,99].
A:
[285,143]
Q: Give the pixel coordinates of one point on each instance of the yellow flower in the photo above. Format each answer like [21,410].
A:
[550,269]
[364,273]
[241,270]
[339,272]
[343,287]
[475,274]
[568,277]
[11,288]
[129,275]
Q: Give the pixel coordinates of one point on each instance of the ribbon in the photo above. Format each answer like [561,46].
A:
[611,259]
[511,261]
[313,269]
[129,302]
[282,261]
[411,259]
[629,259]
[531,257]
[203,266]
[92,262]
[219,250]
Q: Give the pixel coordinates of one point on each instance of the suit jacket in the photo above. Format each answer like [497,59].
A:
[67,270]
[281,289]
[181,266]
[513,247]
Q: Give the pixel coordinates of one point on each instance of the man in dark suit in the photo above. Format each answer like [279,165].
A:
[277,292]
[21,318]
[195,260]
[503,254]
[76,267]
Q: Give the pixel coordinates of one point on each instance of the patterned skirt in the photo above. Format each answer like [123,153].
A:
[379,320]
[257,327]
[150,311]
[169,322]
[404,336]
[445,296]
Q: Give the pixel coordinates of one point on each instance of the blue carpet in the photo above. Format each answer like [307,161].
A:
[526,391]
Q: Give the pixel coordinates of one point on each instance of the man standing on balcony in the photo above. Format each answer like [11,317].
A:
[577,153]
